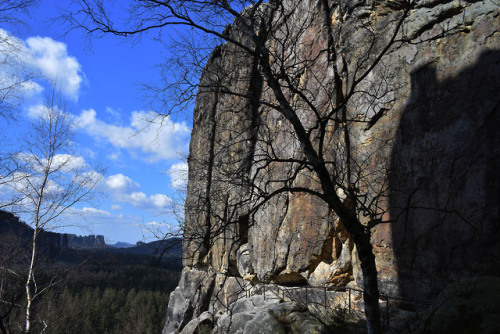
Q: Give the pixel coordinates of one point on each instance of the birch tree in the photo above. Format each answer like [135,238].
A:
[52,179]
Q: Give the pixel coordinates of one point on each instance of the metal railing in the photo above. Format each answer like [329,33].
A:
[320,296]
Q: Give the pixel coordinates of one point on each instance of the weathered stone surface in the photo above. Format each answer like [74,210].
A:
[244,261]
[206,319]
[241,314]
[228,290]
[190,299]
[300,322]
[425,133]
[257,315]
[233,323]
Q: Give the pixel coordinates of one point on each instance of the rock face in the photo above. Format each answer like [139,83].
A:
[88,241]
[466,306]
[425,135]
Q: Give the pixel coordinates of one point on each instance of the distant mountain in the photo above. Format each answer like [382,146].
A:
[70,248]
[121,244]
[162,248]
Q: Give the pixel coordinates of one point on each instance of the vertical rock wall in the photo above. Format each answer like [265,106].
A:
[427,139]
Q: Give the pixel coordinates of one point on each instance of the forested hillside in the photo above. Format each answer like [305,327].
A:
[85,290]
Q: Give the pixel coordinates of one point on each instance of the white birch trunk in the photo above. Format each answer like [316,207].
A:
[29,292]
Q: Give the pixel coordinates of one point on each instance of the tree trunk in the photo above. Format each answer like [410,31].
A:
[29,294]
[370,283]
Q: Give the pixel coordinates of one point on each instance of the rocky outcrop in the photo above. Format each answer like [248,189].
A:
[88,241]
[425,133]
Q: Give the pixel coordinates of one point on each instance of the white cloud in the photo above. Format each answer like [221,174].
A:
[114,156]
[115,115]
[159,201]
[116,207]
[153,141]
[154,223]
[44,57]
[37,111]
[68,163]
[52,60]
[94,212]
[27,186]
[120,183]
[124,190]
[15,71]
[64,163]
[141,200]
[65,170]
[178,175]
[11,47]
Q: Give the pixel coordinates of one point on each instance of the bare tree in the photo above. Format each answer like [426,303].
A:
[316,152]
[16,77]
[10,10]
[51,181]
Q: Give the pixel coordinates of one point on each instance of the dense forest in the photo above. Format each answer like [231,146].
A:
[115,298]
[94,310]
[104,290]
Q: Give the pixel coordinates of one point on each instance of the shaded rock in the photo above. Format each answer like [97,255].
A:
[205,320]
[425,133]
[283,318]
[301,322]
[252,303]
[469,306]
[264,322]
[190,299]
[244,261]
[228,289]
[233,323]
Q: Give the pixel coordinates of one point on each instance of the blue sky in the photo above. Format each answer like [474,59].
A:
[101,85]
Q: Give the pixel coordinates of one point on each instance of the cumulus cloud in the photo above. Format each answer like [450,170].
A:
[152,141]
[125,190]
[65,170]
[24,188]
[178,175]
[52,60]
[67,162]
[120,183]
[64,163]
[141,200]
[37,111]
[21,61]
[15,71]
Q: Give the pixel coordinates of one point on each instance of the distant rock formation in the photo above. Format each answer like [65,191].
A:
[76,241]
[436,131]
[11,225]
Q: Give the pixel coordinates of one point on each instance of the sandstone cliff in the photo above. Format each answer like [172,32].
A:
[424,140]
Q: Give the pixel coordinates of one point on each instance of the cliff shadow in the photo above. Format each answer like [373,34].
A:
[444,179]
